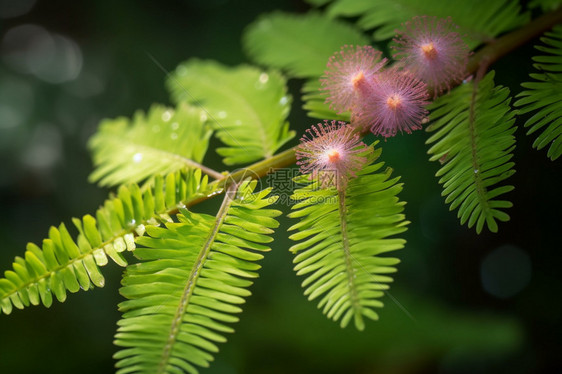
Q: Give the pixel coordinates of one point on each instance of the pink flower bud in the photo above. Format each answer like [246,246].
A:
[331,152]
[347,74]
[395,102]
[432,50]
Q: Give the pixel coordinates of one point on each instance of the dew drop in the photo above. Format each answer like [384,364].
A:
[174,136]
[284,100]
[263,78]
[140,230]
[221,114]
[237,122]
[137,157]
[203,116]
[175,125]
[166,116]
[475,171]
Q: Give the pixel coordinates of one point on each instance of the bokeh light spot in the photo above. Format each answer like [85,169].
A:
[51,57]
[505,271]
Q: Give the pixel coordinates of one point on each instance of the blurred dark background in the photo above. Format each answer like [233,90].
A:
[461,303]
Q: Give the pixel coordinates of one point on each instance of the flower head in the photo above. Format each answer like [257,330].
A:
[396,102]
[432,50]
[331,151]
[347,72]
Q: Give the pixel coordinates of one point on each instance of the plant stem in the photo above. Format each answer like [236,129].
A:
[481,60]
[211,173]
[505,44]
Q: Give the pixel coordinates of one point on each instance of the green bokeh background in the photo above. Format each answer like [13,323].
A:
[439,316]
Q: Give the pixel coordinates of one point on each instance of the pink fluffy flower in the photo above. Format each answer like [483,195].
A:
[431,49]
[331,151]
[347,72]
[396,102]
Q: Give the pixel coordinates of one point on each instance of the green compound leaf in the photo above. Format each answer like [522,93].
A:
[64,263]
[315,105]
[473,140]
[298,44]
[189,285]
[479,20]
[247,107]
[342,237]
[544,95]
[160,142]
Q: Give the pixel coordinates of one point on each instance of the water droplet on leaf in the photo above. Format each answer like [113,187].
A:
[166,116]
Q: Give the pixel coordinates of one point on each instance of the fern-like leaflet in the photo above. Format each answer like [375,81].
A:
[480,20]
[544,95]
[473,136]
[63,263]
[343,233]
[315,103]
[247,107]
[161,141]
[190,283]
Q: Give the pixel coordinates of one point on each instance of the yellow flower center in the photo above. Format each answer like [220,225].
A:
[429,50]
[394,102]
[333,155]
[358,79]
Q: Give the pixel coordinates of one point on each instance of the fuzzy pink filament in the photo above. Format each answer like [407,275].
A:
[395,102]
[331,152]
[347,72]
[432,50]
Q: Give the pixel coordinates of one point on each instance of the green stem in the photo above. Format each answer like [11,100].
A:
[480,189]
[354,299]
[256,171]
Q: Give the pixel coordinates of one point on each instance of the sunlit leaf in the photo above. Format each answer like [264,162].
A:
[247,107]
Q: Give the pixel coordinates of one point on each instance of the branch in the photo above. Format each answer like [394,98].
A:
[507,43]
[480,60]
